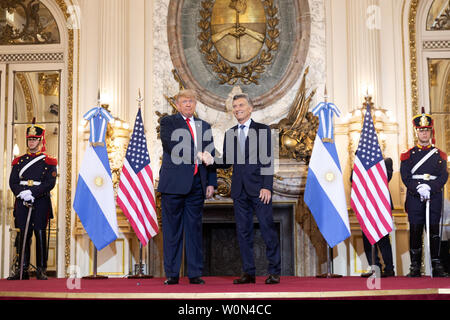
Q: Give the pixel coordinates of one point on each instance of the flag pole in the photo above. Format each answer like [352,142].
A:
[140,274]
[95,276]
[373,259]
[329,273]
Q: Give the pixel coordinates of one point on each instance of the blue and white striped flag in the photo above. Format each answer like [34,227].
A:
[94,197]
[324,192]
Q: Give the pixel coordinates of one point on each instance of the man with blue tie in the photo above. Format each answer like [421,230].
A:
[184,183]
[248,148]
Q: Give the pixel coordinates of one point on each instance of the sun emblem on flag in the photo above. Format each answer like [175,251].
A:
[98,181]
[329,176]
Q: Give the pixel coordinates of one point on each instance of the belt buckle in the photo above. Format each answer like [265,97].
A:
[30,183]
[426,176]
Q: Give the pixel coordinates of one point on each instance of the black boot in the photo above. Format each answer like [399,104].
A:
[435,243]
[416,262]
[41,254]
[415,252]
[26,259]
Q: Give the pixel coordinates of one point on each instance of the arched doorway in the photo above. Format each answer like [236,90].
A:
[37,60]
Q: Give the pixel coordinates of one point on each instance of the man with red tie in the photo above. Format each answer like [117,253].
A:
[184,184]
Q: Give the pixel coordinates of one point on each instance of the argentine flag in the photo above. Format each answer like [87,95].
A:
[94,197]
[324,192]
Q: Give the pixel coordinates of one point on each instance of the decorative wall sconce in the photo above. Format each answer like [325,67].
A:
[381,118]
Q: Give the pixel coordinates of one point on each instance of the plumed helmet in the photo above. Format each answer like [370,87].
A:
[36,131]
[424,120]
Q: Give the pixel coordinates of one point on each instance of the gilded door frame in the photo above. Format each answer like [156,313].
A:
[64,12]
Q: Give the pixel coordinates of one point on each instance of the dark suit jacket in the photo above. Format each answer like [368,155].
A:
[177,170]
[254,170]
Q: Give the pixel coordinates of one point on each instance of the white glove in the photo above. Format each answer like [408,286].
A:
[29,198]
[424,191]
[24,193]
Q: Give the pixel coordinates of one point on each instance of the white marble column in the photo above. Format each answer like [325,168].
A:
[113,58]
[364,23]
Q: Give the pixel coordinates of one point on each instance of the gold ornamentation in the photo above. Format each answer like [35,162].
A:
[27,94]
[298,130]
[48,84]
[238,33]
[38,25]
[32,131]
[69,130]
[443,21]
[232,31]
[424,121]
[117,139]
[413,55]
[224,182]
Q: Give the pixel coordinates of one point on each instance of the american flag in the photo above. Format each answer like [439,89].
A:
[136,195]
[370,198]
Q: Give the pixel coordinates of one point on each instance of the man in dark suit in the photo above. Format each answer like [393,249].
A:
[184,183]
[247,147]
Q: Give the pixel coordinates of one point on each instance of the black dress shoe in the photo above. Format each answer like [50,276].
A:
[41,274]
[246,278]
[388,273]
[16,276]
[273,279]
[196,280]
[367,274]
[171,280]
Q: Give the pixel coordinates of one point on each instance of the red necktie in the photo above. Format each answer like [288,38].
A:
[192,134]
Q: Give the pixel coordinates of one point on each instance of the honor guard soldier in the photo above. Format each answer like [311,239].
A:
[424,172]
[33,176]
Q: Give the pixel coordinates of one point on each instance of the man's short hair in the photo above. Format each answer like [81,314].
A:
[243,96]
[186,93]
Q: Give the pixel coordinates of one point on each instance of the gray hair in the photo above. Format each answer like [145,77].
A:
[243,96]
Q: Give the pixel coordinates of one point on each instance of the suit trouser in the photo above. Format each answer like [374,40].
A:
[182,216]
[244,207]
[384,244]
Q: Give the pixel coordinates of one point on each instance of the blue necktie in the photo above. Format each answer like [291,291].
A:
[242,138]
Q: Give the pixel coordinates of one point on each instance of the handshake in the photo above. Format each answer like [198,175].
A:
[424,191]
[26,196]
[206,158]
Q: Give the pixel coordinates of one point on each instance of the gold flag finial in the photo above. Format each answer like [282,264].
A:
[99,98]
[139,99]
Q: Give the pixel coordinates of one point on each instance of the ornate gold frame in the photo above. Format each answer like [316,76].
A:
[248,73]
[69,127]
[290,77]
[412,20]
